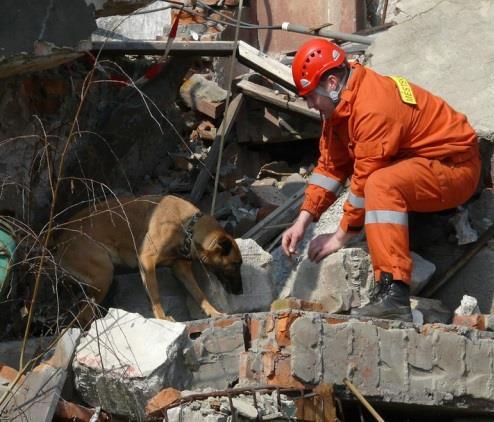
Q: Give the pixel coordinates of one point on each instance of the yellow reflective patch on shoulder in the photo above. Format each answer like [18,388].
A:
[405,89]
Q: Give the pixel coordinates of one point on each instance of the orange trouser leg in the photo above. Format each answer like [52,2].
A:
[415,184]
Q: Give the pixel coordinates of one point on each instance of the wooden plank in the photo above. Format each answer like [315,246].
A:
[210,108]
[206,174]
[37,397]
[266,65]
[178,48]
[286,213]
[280,100]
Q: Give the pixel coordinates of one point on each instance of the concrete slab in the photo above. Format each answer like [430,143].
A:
[145,26]
[124,360]
[442,45]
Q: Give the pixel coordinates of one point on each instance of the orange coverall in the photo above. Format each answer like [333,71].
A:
[400,157]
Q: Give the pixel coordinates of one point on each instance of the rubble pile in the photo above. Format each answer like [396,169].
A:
[137,101]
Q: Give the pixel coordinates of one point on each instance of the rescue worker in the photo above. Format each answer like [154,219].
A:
[404,149]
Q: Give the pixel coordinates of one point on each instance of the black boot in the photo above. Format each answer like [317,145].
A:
[390,299]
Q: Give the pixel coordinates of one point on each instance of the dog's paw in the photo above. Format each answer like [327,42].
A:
[215,314]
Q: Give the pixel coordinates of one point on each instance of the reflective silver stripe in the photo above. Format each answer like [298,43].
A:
[356,201]
[392,217]
[325,182]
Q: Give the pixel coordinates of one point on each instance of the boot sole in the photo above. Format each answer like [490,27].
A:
[405,316]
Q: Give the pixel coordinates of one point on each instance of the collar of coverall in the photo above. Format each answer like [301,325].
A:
[347,97]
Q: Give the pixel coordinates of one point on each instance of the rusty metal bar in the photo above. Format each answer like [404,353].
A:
[236,391]
[232,408]
[362,400]
[336,35]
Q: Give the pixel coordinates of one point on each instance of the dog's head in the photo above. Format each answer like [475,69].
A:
[219,252]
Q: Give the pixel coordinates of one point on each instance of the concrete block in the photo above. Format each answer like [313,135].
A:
[449,363]
[146,26]
[203,95]
[256,273]
[339,282]
[432,310]
[420,363]
[124,360]
[305,334]
[217,351]
[393,366]
[479,368]
[337,346]
[343,279]
[364,357]
[265,192]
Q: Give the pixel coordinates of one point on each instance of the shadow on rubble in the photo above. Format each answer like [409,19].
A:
[400,412]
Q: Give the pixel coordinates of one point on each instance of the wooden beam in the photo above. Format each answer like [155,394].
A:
[274,223]
[37,397]
[178,48]
[266,65]
[279,100]
[206,174]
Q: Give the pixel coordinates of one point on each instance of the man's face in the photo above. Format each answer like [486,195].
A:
[319,102]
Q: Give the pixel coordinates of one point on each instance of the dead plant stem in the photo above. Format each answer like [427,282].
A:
[48,232]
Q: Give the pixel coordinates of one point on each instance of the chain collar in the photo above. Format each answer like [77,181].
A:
[186,249]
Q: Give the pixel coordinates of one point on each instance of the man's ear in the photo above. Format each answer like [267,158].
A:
[225,245]
[332,82]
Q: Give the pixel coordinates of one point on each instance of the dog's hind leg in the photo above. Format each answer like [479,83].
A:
[183,271]
[94,268]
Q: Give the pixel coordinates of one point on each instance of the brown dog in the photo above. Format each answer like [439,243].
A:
[145,232]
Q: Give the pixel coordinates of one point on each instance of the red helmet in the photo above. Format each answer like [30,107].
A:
[312,60]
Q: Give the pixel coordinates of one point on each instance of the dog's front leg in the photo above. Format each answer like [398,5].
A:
[183,271]
[148,275]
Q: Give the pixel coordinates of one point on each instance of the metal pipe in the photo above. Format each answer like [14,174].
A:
[326,33]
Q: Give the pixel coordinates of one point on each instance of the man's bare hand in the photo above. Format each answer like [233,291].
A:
[326,244]
[293,235]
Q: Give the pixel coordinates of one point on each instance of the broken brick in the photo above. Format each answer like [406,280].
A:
[162,400]
[476,321]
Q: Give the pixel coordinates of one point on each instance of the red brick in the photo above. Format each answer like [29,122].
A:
[282,374]
[245,371]
[161,400]
[476,321]
[255,329]
[283,323]
[67,411]
[8,373]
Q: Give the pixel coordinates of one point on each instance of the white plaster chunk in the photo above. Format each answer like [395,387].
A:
[468,306]
[125,359]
